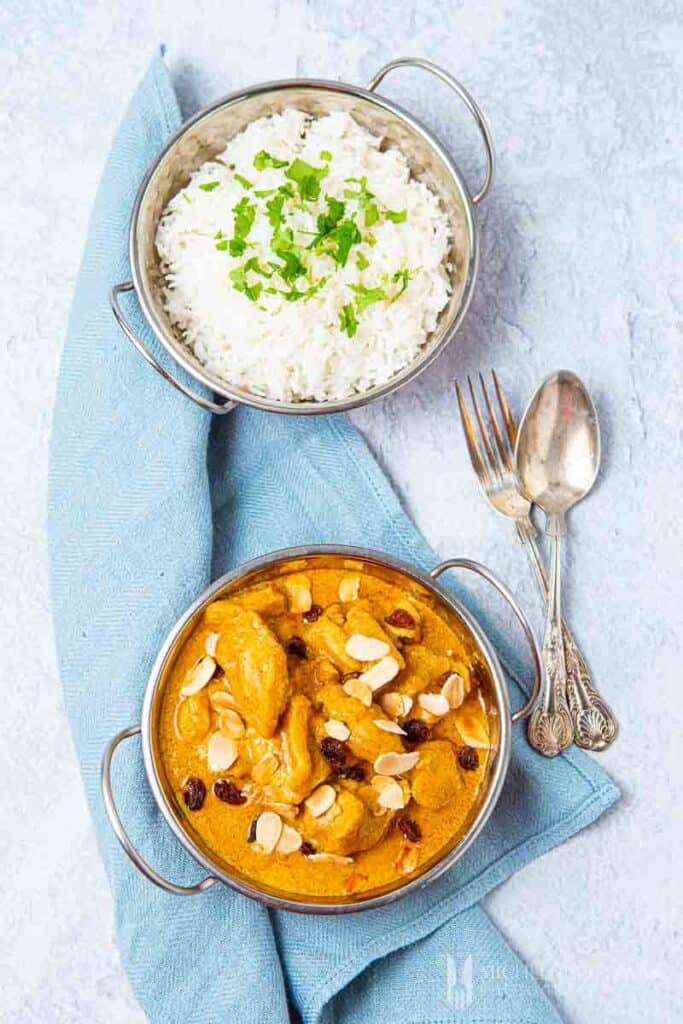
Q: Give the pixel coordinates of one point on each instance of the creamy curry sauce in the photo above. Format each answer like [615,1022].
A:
[325,733]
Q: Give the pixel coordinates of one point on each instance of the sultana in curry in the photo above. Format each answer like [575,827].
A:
[325,733]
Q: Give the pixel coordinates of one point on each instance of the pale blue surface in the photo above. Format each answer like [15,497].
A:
[140,521]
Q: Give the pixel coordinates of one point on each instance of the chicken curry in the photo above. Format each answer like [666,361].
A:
[325,733]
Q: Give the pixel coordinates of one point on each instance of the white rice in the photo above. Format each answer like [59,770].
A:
[297,350]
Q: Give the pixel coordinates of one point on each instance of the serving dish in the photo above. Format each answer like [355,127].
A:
[268,568]
[206,134]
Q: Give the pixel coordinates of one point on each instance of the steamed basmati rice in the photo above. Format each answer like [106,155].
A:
[302,323]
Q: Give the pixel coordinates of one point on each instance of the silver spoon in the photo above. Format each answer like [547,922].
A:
[557,457]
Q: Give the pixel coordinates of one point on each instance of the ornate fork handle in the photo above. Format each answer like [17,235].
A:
[595,726]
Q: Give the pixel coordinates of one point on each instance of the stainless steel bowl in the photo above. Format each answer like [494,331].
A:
[207,133]
[269,567]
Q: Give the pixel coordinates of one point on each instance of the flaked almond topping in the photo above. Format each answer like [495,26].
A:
[290,840]
[453,690]
[268,830]
[221,700]
[473,731]
[332,858]
[480,698]
[211,644]
[337,730]
[391,794]
[366,648]
[198,676]
[395,764]
[397,705]
[321,800]
[298,589]
[382,723]
[434,704]
[231,724]
[349,588]
[289,811]
[381,673]
[407,860]
[360,690]
[265,769]
[222,752]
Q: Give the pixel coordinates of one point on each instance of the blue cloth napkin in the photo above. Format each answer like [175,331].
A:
[149,500]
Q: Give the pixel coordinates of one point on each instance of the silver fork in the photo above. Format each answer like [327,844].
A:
[580,714]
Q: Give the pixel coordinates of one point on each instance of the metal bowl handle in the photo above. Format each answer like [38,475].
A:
[470,103]
[206,403]
[481,570]
[122,835]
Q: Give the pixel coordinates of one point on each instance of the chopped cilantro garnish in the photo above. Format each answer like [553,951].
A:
[361,261]
[186,197]
[263,192]
[344,235]
[397,216]
[291,267]
[327,222]
[401,277]
[222,245]
[347,320]
[366,296]
[253,264]
[370,239]
[307,177]
[240,284]
[274,208]
[244,217]
[209,186]
[325,155]
[244,182]
[236,246]
[263,159]
[365,200]
[219,234]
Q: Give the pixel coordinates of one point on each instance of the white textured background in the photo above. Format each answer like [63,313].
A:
[581,266]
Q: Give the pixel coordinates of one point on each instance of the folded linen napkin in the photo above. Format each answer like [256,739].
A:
[149,500]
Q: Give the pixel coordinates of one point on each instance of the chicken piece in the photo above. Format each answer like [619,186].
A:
[423,669]
[303,765]
[348,827]
[254,662]
[193,718]
[327,639]
[359,619]
[366,740]
[436,779]
[266,600]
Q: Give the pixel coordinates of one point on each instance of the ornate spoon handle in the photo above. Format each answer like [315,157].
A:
[595,726]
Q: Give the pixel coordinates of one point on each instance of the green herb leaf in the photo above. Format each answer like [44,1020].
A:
[209,186]
[291,267]
[361,262]
[366,296]
[344,236]
[325,155]
[254,265]
[263,159]
[186,197]
[274,208]
[244,182]
[240,284]
[402,277]
[307,178]
[237,246]
[244,217]
[222,245]
[263,192]
[397,216]
[347,320]
[370,239]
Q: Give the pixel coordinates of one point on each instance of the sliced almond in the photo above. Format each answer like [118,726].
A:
[394,727]
[407,860]
[268,830]
[395,764]
[381,673]
[222,700]
[366,648]
[391,793]
[222,752]
[211,644]
[360,690]
[289,811]
[480,698]
[396,704]
[290,840]
[298,589]
[332,858]
[321,800]
[337,730]
[349,588]
[264,770]
[198,676]
[473,730]
[231,724]
[434,704]
[454,690]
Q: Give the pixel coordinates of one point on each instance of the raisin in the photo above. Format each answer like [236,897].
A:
[468,758]
[251,834]
[228,792]
[308,849]
[313,613]
[353,772]
[409,829]
[297,647]
[333,750]
[194,793]
[218,673]
[401,619]
[416,731]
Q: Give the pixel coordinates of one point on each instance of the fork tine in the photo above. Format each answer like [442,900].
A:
[500,443]
[508,418]
[488,447]
[478,463]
